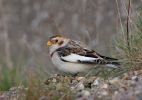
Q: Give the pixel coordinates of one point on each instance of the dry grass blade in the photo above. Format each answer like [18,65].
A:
[128,19]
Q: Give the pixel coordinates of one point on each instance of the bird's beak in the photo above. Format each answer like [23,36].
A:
[49,43]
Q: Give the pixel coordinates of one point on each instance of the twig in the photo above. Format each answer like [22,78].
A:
[128,17]
[119,15]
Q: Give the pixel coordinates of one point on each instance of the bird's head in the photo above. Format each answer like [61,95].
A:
[57,41]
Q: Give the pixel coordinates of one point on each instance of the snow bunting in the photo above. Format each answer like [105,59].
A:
[72,56]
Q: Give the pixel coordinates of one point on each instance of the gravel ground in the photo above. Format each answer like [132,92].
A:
[125,87]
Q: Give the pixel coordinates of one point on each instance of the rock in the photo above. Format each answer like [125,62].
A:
[114,80]
[105,86]
[96,82]
[86,93]
[80,86]
[104,93]
[80,78]
[54,80]
[126,77]
[135,78]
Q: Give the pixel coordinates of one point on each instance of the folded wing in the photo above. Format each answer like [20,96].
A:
[80,59]
[75,53]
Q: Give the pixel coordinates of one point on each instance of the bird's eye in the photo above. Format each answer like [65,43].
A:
[56,41]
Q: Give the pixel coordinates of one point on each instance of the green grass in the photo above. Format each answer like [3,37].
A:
[18,75]
[8,78]
[129,57]
[132,56]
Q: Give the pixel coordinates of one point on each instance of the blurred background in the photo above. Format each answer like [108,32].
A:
[26,25]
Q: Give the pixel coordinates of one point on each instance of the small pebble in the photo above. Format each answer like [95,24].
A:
[105,86]
[80,78]
[105,93]
[116,92]
[80,86]
[115,80]
[54,80]
[86,93]
[138,92]
[135,78]
[126,77]
[96,82]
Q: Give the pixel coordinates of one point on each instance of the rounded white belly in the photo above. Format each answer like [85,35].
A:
[69,66]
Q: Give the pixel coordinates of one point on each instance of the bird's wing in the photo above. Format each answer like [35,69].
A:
[74,52]
[78,58]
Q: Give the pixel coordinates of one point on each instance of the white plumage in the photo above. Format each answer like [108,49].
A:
[75,58]
[72,57]
[70,67]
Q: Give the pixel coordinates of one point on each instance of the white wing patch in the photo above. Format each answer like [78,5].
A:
[75,58]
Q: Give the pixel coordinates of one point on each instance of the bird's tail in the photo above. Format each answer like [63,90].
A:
[111,62]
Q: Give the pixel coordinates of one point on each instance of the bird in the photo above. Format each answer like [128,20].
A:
[71,56]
